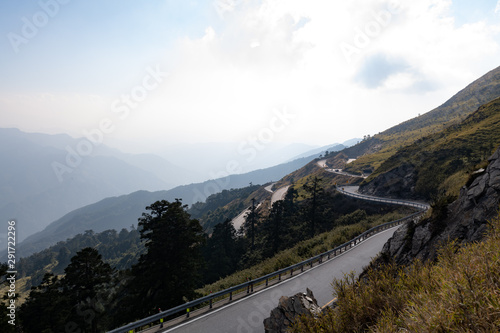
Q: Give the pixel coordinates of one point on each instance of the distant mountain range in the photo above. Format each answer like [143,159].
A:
[328,148]
[30,187]
[37,185]
[113,212]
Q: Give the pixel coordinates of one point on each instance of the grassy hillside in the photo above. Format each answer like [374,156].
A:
[459,293]
[443,161]
[308,248]
[372,152]
[227,205]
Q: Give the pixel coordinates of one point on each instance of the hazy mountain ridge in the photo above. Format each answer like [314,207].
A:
[322,150]
[123,211]
[441,162]
[372,152]
[32,193]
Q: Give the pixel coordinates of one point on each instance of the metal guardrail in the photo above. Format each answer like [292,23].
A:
[419,205]
[309,262]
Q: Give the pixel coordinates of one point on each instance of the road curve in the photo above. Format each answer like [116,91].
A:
[322,164]
[353,192]
[247,314]
[279,194]
[240,219]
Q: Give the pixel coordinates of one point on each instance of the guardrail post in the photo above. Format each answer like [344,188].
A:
[279,277]
[340,249]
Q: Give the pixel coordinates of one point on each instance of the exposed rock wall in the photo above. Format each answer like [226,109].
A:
[289,309]
[398,183]
[466,221]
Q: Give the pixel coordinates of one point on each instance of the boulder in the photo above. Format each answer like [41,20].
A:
[289,309]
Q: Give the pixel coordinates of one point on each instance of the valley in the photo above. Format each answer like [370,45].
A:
[436,162]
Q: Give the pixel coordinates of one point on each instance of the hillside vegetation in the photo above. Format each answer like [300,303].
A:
[372,152]
[459,293]
[118,249]
[226,205]
[442,162]
[348,227]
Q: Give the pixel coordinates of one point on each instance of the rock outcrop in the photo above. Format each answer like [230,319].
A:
[397,183]
[289,309]
[466,221]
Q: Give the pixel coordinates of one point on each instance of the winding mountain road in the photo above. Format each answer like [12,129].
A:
[247,314]
[322,164]
[279,194]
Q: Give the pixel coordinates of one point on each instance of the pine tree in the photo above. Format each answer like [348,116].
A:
[314,189]
[86,285]
[169,272]
[46,309]
[222,251]
[275,227]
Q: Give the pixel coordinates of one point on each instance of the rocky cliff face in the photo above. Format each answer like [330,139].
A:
[289,309]
[398,183]
[466,221]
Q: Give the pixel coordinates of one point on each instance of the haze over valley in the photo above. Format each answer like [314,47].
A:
[193,160]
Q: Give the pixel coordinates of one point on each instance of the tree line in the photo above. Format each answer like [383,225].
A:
[179,257]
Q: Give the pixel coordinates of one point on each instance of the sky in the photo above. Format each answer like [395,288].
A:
[139,74]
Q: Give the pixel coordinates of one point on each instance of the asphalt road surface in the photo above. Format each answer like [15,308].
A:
[279,194]
[323,165]
[247,315]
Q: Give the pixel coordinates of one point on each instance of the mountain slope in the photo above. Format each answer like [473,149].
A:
[123,211]
[31,192]
[441,162]
[465,220]
[372,152]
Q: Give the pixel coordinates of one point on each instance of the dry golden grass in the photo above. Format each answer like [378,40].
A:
[459,293]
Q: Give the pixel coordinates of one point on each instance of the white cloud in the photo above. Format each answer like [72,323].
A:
[224,85]
[497,8]
[263,57]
